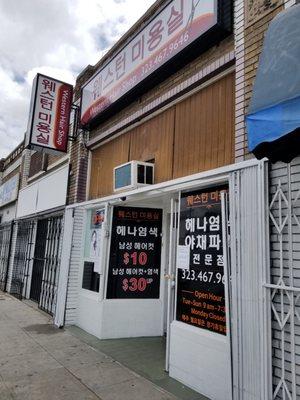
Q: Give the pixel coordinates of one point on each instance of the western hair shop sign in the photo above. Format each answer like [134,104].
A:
[49,115]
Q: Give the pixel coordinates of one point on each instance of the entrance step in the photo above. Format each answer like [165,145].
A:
[144,356]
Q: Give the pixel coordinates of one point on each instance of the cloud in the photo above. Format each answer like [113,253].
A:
[57,38]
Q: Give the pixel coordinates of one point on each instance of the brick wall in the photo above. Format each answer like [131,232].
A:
[256,9]
[78,170]
[83,77]
[38,163]
[257,16]
[25,166]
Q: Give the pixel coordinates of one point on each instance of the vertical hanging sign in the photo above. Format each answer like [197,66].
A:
[200,278]
[135,253]
[49,115]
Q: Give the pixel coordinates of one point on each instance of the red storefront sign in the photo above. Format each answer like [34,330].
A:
[49,117]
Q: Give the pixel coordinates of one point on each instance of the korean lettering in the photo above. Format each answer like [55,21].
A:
[214,223]
[202,226]
[46,104]
[120,65]
[208,259]
[190,241]
[201,230]
[45,117]
[121,230]
[131,230]
[48,85]
[137,50]
[155,35]
[134,233]
[220,260]
[121,214]
[214,241]
[201,242]
[196,259]
[153,231]
[43,136]
[176,18]
[142,231]
[97,87]
[190,224]
[109,78]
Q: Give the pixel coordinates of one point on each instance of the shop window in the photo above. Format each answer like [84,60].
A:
[90,279]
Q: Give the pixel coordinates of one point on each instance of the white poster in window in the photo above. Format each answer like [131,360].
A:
[183,257]
[93,242]
[95,245]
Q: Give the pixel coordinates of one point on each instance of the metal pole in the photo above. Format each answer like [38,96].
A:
[169,277]
[291,276]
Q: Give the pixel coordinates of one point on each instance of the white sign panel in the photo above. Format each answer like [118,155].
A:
[94,237]
[179,24]
[9,190]
[44,194]
[183,257]
[49,116]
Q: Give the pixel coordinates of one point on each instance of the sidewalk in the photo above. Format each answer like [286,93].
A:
[40,362]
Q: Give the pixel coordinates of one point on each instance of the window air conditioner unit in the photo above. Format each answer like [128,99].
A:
[132,175]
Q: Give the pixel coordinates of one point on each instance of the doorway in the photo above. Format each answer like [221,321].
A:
[38,260]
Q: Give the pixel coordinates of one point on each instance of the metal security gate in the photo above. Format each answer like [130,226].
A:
[37,260]
[284,282]
[22,258]
[5,250]
[51,263]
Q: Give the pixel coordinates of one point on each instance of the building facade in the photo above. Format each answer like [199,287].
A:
[38,228]
[161,222]
[10,173]
[184,257]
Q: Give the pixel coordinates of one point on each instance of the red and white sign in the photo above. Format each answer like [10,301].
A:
[179,24]
[49,116]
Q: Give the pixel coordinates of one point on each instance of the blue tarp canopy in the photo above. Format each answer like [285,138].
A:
[273,121]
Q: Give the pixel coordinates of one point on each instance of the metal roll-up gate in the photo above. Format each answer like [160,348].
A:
[22,258]
[5,252]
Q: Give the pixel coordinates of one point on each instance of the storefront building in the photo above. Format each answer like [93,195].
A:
[36,236]
[172,237]
[34,244]
[10,172]
[158,220]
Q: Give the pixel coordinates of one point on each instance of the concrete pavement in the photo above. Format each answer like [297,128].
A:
[40,362]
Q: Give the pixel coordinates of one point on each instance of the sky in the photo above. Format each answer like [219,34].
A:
[58,38]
